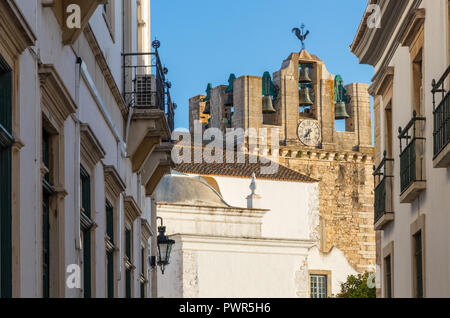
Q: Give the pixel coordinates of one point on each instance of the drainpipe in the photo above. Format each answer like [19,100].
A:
[77,160]
[127,131]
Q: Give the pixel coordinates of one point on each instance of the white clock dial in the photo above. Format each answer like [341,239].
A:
[309,132]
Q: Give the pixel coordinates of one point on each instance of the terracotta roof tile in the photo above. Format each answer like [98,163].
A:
[243,170]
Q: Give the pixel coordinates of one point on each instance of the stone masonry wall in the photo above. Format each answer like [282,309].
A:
[346,204]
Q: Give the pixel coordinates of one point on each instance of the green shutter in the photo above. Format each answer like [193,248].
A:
[5,180]
[86,204]
[143,261]
[5,97]
[142,290]
[128,270]
[110,274]
[5,224]
[128,283]
[110,222]
[128,244]
[46,245]
[388,277]
[110,250]
[46,152]
[86,192]
[418,252]
[87,264]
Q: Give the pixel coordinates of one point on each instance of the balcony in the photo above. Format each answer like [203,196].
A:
[383,209]
[412,157]
[151,111]
[441,129]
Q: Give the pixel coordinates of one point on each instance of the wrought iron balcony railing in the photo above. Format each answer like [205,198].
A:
[145,85]
[383,175]
[411,156]
[441,113]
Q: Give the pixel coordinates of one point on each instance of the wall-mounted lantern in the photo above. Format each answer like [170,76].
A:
[164,245]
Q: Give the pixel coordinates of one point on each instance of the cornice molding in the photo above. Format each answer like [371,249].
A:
[146,229]
[113,182]
[92,150]
[104,67]
[54,94]
[158,164]
[15,33]
[411,27]
[381,81]
[365,155]
[372,42]
[361,29]
[395,44]
[132,210]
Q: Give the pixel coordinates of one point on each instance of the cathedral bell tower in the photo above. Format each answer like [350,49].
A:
[303,101]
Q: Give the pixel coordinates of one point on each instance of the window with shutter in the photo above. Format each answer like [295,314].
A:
[143,279]
[418,264]
[388,271]
[142,290]
[6,141]
[128,263]
[110,250]
[86,225]
[47,192]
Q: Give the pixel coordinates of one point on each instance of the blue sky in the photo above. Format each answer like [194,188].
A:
[203,41]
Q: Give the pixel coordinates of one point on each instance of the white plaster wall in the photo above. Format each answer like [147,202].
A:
[170,285]
[205,267]
[244,269]
[27,248]
[333,261]
[293,205]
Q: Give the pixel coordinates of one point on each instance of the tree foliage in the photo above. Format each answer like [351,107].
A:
[357,287]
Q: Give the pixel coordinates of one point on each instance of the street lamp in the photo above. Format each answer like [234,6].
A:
[164,247]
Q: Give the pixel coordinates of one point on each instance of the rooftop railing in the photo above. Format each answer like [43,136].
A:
[412,145]
[145,85]
[441,114]
[383,175]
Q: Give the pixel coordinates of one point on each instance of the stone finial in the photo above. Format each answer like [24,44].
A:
[253,183]
[253,200]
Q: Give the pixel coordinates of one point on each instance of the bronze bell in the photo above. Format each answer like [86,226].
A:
[229,101]
[304,75]
[305,99]
[267,107]
[207,110]
[341,111]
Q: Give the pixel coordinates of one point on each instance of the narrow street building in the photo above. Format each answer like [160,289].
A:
[305,104]
[85,124]
[245,236]
[410,52]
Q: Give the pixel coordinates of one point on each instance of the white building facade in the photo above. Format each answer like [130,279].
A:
[242,237]
[78,157]
[411,56]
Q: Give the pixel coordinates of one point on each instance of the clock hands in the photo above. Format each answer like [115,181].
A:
[308,133]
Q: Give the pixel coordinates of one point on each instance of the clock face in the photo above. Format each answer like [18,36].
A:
[309,132]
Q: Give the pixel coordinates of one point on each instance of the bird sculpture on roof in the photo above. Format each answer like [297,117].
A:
[301,34]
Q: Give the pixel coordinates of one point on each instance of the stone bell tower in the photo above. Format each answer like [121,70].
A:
[303,100]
